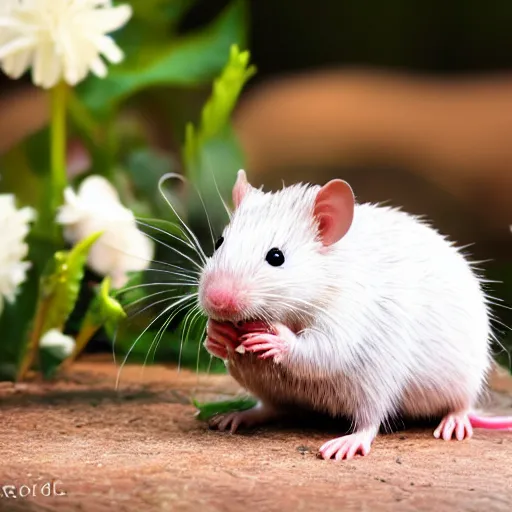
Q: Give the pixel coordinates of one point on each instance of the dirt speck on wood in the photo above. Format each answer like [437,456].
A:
[140,448]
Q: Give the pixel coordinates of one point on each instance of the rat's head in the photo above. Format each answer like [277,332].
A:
[272,261]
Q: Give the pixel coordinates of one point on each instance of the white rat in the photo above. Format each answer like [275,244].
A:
[371,314]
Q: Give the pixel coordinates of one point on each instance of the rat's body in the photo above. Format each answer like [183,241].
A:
[373,316]
[376,331]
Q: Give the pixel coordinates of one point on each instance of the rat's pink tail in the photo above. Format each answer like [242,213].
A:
[491,422]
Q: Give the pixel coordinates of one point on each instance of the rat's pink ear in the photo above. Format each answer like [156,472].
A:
[334,211]
[241,188]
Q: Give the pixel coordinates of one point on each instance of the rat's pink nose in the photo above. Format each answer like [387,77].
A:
[223,297]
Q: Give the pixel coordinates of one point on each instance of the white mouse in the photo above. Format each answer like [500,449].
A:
[354,310]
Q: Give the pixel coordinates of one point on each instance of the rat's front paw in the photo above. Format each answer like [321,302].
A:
[221,340]
[275,344]
[215,348]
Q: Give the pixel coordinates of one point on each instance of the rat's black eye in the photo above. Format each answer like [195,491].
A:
[219,241]
[275,257]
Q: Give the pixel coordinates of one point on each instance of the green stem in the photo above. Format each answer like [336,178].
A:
[87,331]
[31,354]
[58,151]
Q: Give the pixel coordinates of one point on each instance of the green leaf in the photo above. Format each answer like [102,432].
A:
[104,309]
[208,410]
[216,114]
[60,284]
[158,13]
[132,289]
[153,23]
[16,319]
[48,362]
[211,152]
[190,60]
[59,287]
[220,159]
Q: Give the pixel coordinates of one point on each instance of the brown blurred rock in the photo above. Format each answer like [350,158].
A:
[440,147]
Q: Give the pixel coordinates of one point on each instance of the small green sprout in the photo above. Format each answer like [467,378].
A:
[208,410]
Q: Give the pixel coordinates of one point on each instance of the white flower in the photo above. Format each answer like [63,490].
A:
[58,344]
[96,207]
[59,39]
[14,227]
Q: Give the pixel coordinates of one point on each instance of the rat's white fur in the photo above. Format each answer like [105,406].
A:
[393,318]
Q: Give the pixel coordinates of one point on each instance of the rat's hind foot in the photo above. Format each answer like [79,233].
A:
[347,447]
[455,425]
[250,418]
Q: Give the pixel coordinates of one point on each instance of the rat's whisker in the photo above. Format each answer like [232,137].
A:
[300,312]
[157,262]
[182,308]
[198,316]
[190,241]
[185,270]
[305,303]
[212,172]
[209,368]
[183,326]
[161,331]
[185,333]
[168,308]
[190,232]
[146,297]
[178,274]
[207,216]
[114,339]
[153,304]
[186,242]
[145,285]
[177,251]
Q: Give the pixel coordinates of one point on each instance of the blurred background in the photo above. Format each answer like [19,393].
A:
[411,102]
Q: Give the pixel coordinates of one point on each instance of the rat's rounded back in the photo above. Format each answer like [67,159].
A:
[411,309]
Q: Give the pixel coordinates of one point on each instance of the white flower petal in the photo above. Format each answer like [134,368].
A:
[96,207]
[108,48]
[57,343]
[16,65]
[27,215]
[15,45]
[98,191]
[6,6]
[100,3]
[10,22]
[73,74]
[13,230]
[46,70]
[99,68]
[61,39]
[68,215]
[109,20]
